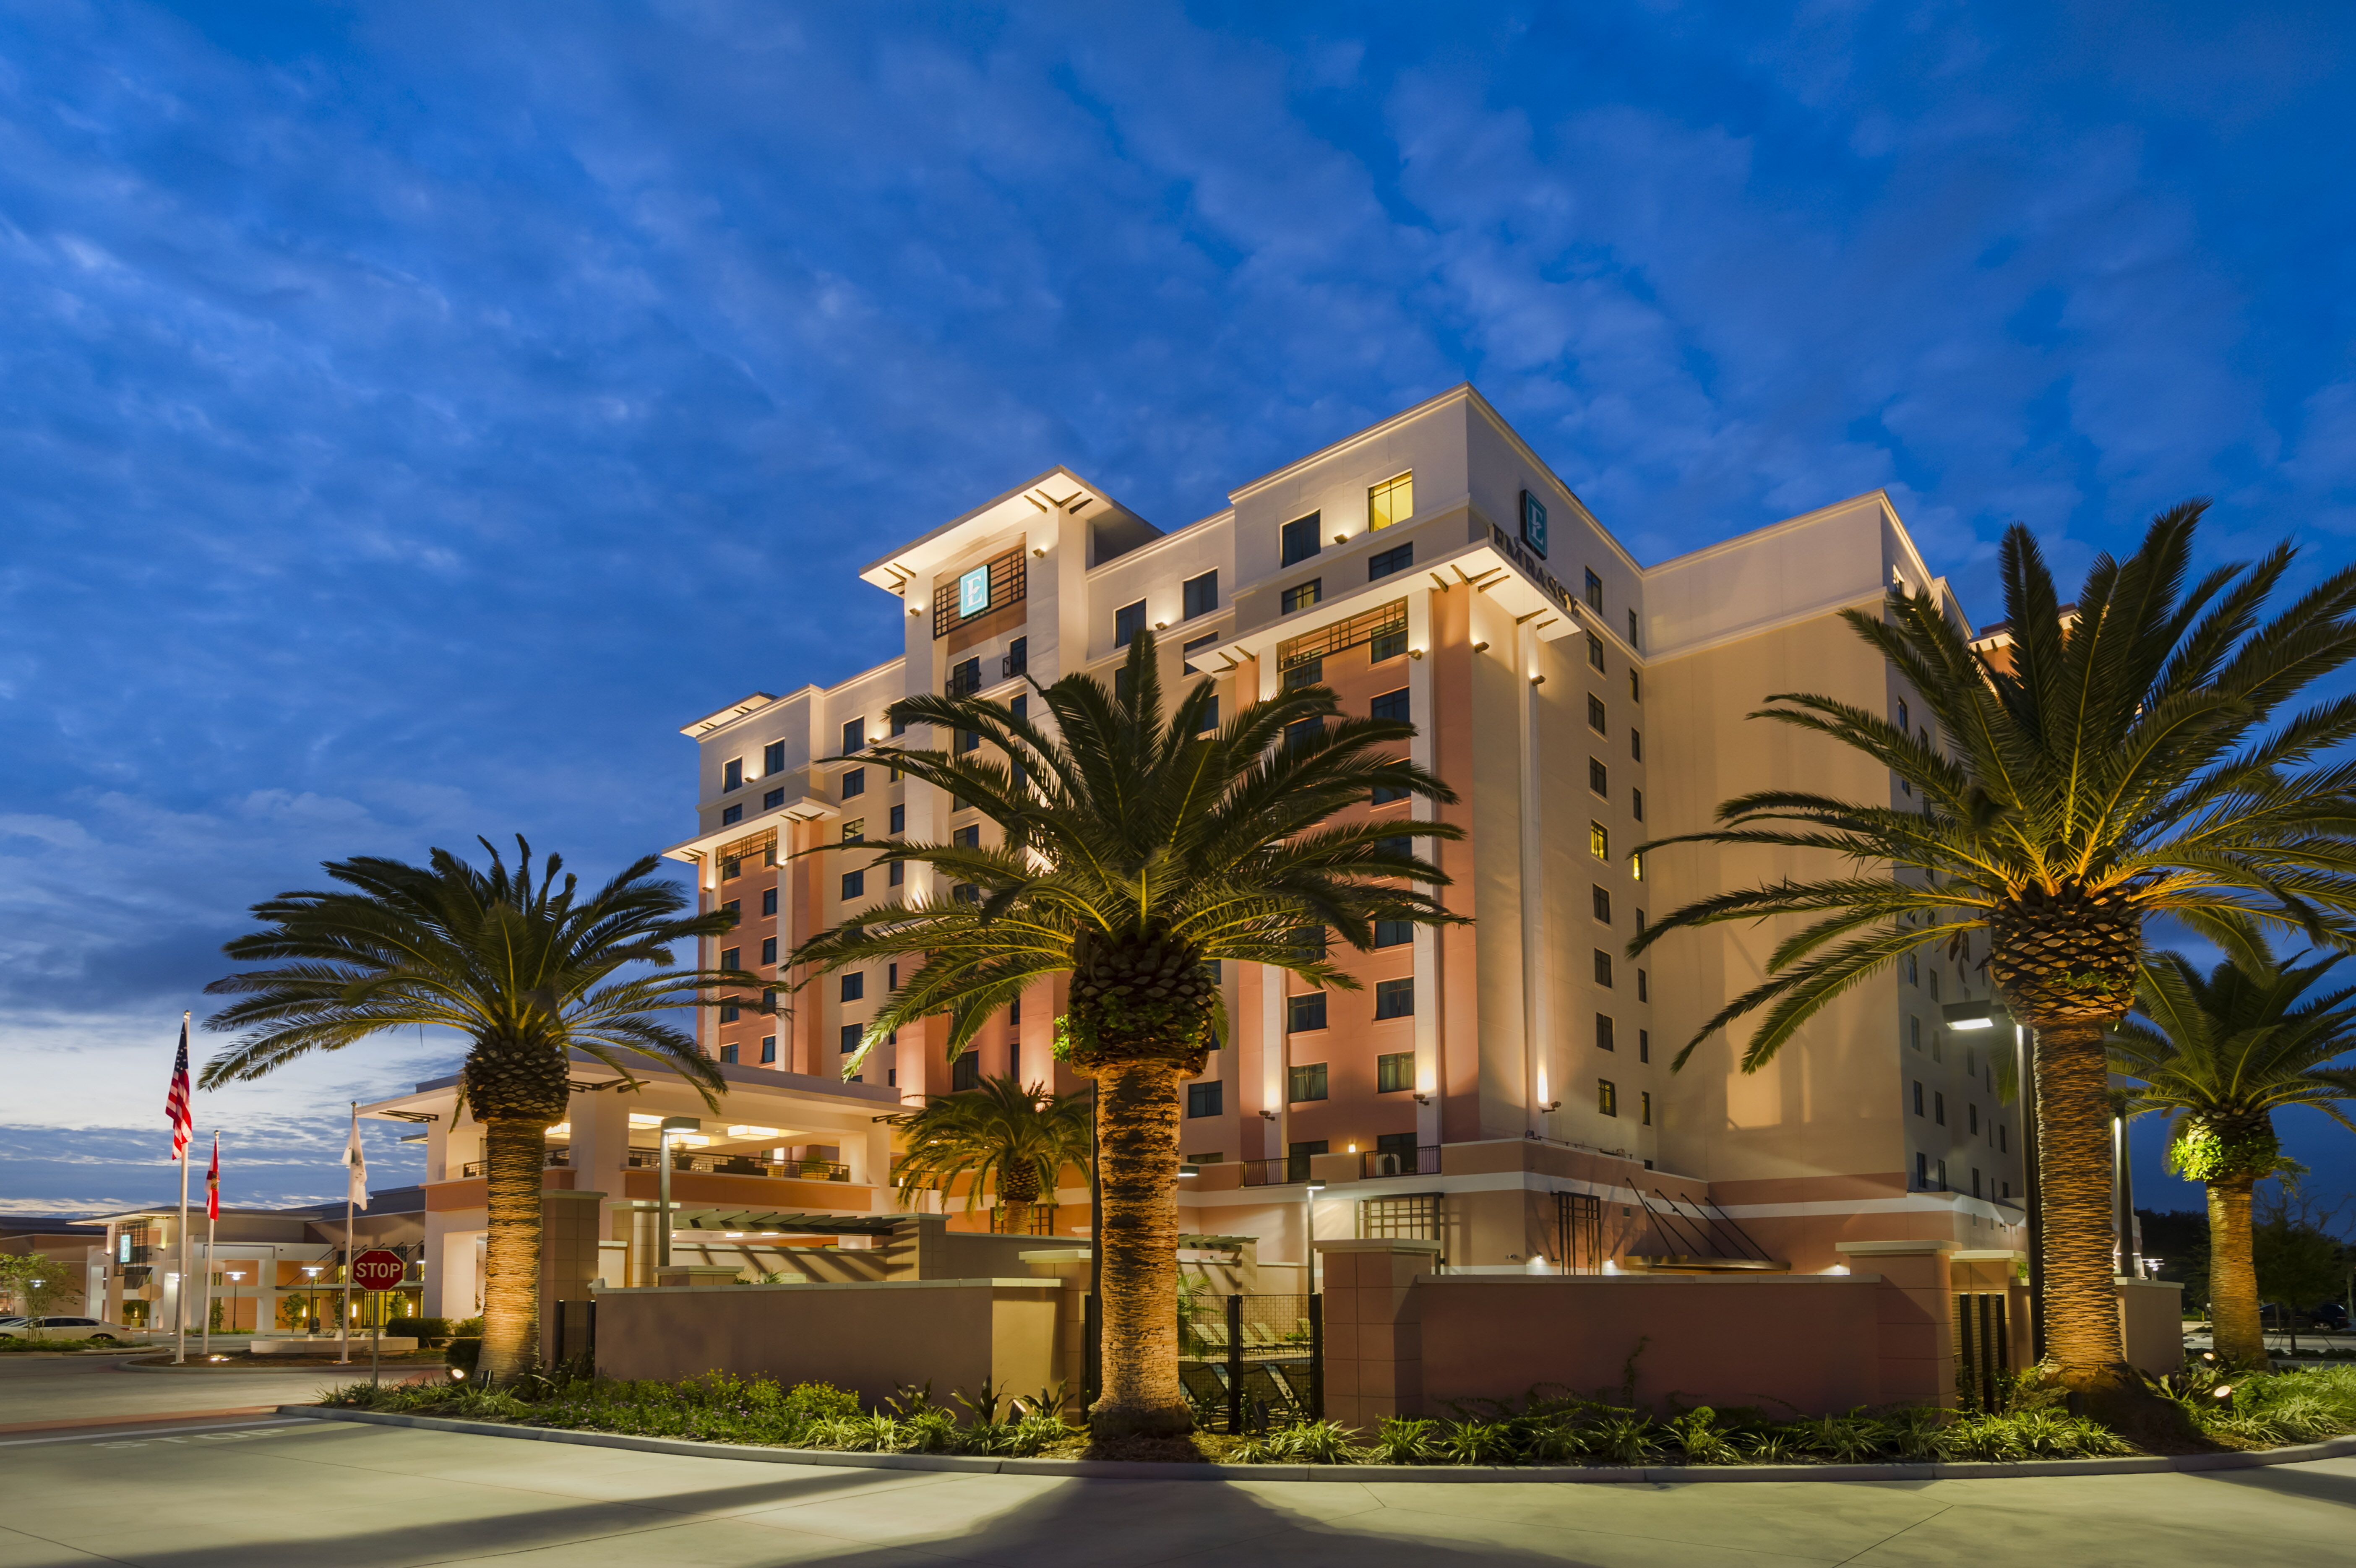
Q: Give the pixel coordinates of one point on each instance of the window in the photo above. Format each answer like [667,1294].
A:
[1304,1013]
[1645,1101]
[1594,590]
[1975,1127]
[1918,1096]
[1914,1032]
[1388,644]
[1943,1176]
[1595,651]
[850,1037]
[855,830]
[1209,720]
[1939,1109]
[1017,660]
[768,1048]
[1607,1096]
[1636,803]
[1301,595]
[965,678]
[1300,731]
[1308,1083]
[895,874]
[1644,1045]
[1599,778]
[1913,974]
[1636,745]
[768,900]
[1976,1181]
[728,1053]
[730,1012]
[1393,932]
[1596,719]
[773,757]
[1306,672]
[968,836]
[1205,1099]
[1392,501]
[1599,840]
[1382,562]
[964,1072]
[2000,1147]
[1401,845]
[854,782]
[1391,705]
[1603,1037]
[1935,984]
[731,814]
[1602,900]
[1533,524]
[1415,1219]
[732,773]
[965,893]
[728,956]
[1127,622]
[773,799]
[1193,646]
[853,987]
[768,950]
[854,884]
[1902,713]
[1923,1172]
[1014,1013]
[1208,1159]
[1299,539]
[855,735]
[899,725]
[1632,630]
[1395,1072]
[1394,999]
[731,868]
[968,740]
[1635,687]
[1644,987]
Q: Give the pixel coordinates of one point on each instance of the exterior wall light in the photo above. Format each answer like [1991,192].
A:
[1975,1015]
[1480,648]
[1538,680]
[1414,653]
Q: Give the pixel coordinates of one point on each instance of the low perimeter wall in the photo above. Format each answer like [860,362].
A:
[869,1338]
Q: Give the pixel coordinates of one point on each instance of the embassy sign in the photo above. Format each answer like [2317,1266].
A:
[1513,549]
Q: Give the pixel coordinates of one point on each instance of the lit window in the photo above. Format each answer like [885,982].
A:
[1636,874]
[1392,501]
[1599,840]
[1301,595]
[1607,1096]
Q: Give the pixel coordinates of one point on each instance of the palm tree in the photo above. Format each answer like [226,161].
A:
[524,968]
[1001,1135]
[2118,765]
[2219,1055]
[1136,851]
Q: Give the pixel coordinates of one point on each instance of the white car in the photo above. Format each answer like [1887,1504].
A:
[97,1329]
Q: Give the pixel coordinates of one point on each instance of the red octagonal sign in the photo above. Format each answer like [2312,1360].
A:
[378,1269]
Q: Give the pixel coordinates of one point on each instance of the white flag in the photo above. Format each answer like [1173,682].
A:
[356,1159]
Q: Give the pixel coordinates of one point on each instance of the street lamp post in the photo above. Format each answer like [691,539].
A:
[32,1316]
[310,1299]
[662,1159]
[1990,1013]
[1309,1191]
[236,1276]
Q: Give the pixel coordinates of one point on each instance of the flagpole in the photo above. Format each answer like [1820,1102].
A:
[180,1296]
[343,1329]
[212,1230]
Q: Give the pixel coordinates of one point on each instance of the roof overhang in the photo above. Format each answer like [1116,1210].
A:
[719,717]
[807,808]
[1058,492]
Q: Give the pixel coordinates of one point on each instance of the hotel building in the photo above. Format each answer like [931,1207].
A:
[1504,1086]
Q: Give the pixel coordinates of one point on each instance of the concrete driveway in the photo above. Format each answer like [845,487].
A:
[38,1390]
[303,1492]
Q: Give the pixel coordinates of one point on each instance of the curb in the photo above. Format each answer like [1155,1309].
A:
[266,1365]
[1658,1475]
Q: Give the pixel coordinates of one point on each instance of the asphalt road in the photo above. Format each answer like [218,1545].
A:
[311,1492]
[38,1390]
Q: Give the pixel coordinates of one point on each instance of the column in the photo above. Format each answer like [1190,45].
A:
[1914,1314]
[1374,1344]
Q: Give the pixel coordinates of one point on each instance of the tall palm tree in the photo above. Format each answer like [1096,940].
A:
[1135,852]
[2219,1055]
[1010,1140]
[523,968]
[2124,762]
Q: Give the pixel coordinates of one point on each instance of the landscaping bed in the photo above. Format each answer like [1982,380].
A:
[2263,1411]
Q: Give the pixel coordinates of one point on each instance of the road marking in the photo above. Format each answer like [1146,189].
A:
[105,1439]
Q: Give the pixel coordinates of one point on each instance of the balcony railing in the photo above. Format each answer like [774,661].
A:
[1275,1172]
[1015,663]
[1421,1161]
[965,679]
[742,1165]
[558,1158]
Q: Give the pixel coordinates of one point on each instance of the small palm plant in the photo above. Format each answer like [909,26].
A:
[1002,1137]
[527,970]
[2220,1054]
[2119,764]
[1136,850]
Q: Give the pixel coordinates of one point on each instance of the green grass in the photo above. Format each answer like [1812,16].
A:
[2262,1411]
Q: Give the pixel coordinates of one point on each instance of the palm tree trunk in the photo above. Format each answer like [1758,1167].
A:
[1018,1190]
[514,1154]
[1139,1245]
[2083,1342]
[2236,1329]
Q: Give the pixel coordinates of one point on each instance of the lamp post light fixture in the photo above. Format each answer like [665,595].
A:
[32,1320]
[310,1298]
[662,1160]
[236,1277]
[1309,1191]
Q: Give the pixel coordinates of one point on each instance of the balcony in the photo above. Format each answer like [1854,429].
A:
[965,679]
[1016,662]
[1384,1163]
[742,1165]
[558,1158]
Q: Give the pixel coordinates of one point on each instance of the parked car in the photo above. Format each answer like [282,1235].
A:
[2330,1316]
[97,1329]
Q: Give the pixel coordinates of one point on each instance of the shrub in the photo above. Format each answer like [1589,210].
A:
[1404,1440]
[463,1354]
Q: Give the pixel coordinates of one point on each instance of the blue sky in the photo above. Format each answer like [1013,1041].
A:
[410,414]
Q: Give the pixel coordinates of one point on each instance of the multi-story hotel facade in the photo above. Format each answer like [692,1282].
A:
[1504,1085]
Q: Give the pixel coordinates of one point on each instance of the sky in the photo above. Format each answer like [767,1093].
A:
[412,413]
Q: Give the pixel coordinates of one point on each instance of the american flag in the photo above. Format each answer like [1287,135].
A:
[176,1103]
[212,1183]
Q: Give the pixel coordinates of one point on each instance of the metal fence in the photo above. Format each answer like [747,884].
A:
[1249,1363]
[1983,1348]
[573,1332]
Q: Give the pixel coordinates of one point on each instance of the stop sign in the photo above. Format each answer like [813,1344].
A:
[378,1269]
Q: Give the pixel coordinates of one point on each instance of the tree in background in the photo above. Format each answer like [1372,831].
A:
[1134,851]
[2120,759]
[1001,1137]
[36,1283]
[527,970]
[2300,1261]
[2219,1054]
